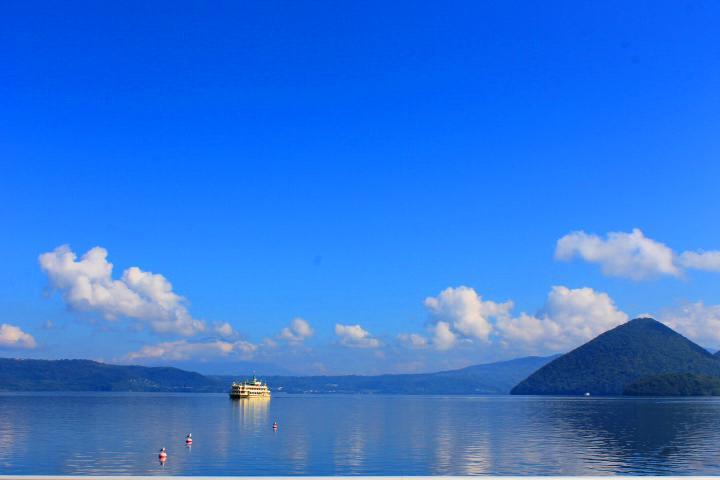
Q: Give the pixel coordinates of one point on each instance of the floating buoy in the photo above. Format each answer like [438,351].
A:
[188,439]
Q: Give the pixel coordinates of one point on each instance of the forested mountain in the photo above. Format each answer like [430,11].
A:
[86,375]
[612,361]
[684,384]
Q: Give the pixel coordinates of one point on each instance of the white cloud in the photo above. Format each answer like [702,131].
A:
[697,321]
[224,330]
[184,350]
[620,254]
[413,340]
[443,337]
[13,337]
[465,311]
[87,285]
[569,318]
[526,329]
[701,260]
[297,332]
[582,313]
[355,336]
[633,255]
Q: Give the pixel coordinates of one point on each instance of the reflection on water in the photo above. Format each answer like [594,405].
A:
[668,435]
[252,411]
[334,435]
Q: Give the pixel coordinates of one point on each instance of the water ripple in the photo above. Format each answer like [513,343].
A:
[74,434]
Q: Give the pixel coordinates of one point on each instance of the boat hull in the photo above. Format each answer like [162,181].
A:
[240,396]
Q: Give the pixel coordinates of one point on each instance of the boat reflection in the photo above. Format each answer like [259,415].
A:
[252,411]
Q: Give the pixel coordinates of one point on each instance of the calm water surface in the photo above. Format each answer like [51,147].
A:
[114,433]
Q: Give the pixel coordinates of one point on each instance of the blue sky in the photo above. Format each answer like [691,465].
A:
[344,162]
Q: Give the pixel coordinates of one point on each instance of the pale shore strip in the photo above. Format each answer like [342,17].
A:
[378,477]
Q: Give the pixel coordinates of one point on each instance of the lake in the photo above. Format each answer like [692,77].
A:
[121,433]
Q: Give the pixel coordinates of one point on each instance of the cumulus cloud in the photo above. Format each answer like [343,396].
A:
[620,254]
[413,340]
[13,337]
[527,329]
[569,318]
[355,336]
[184,350]
[87,285]
[227,346]
[633,255]
[465,311]
[583,312]
[298,330]
[224,330]
[443,336]
[697,321]
[701,260]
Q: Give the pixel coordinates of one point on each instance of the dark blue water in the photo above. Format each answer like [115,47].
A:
[349,435]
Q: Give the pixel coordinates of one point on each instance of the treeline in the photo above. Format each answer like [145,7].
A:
[674,384]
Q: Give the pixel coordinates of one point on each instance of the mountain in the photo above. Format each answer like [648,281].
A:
[229,367]
[489,378]
[86,375]
[607,364]
[501,375]
[668,384]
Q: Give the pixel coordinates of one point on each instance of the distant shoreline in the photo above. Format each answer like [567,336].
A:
[86,375]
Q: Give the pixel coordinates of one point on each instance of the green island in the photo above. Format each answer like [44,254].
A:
[641,350]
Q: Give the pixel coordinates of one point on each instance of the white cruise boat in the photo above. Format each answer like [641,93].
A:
[249,389]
